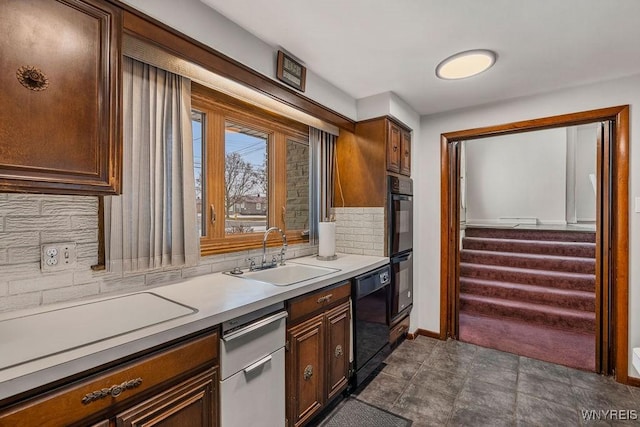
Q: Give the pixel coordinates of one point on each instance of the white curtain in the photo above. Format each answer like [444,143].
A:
[323,151]
[153,223]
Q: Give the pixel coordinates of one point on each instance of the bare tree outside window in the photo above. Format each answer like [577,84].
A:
[246,198]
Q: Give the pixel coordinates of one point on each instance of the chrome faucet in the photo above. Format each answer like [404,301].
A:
[264,247]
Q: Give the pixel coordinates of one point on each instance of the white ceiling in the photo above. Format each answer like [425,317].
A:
[367,47]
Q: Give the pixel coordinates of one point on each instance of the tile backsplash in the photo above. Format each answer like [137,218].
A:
[28,221]
[360,230]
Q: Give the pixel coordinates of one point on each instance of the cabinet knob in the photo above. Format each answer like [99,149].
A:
[308,373]
[395,148]
[338,351]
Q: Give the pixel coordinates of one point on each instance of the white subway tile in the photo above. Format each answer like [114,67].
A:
[229,265]
[78,236]
[17,271]
[29,207]
[4,289]
[28,223]
[4,256]
[45,281]
[196,271]
[116,283]
[70,205]
[70,293]
[24,255]
[162,277]
[372,252]
[23,238]
[84,222]
[17,302]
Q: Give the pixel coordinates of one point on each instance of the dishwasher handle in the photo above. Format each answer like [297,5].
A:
[256,365]
[254,326]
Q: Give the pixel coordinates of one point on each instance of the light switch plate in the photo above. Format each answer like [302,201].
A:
[637,207]
[58,256]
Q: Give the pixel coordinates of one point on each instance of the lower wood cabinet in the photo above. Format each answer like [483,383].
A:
[191,403]
[317,360]
[176,386]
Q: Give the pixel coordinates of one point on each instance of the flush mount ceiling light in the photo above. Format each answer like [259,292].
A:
[465,64]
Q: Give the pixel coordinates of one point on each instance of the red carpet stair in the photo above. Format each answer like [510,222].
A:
[541,277]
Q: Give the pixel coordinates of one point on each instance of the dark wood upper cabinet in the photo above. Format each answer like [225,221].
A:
[393,147]
[378,147]
[405,150]
[60,124]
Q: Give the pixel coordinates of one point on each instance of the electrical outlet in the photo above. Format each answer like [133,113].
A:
[58,256]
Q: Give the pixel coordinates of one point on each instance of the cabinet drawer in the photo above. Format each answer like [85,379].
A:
[402,327]
[96,394]
[309,304]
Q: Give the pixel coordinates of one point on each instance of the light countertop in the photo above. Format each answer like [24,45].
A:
[215,298]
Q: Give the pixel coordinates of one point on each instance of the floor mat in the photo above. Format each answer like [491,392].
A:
[354,413]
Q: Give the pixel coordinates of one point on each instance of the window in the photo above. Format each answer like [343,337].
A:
[252,173]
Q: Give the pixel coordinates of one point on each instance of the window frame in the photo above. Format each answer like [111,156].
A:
[218,109]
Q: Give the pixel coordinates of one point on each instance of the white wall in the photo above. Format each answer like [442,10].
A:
[585,165]
[517,176]
[204,24]
[427,177]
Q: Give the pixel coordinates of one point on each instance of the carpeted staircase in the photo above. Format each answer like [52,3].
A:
[543,278]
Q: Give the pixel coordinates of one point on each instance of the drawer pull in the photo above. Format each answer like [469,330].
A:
[324,298]
[308,373]
[113,391]
[256,365]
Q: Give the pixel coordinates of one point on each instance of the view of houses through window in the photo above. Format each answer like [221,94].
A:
[246,183]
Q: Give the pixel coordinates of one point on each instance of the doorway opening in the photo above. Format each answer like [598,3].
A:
[610,320]
[528,248]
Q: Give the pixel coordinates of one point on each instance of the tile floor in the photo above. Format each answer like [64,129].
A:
[438,383]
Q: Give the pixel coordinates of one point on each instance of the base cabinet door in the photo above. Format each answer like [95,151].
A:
[192,403]
[338,342]
[305,370]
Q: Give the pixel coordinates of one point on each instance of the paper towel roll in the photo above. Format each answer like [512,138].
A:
[327,235]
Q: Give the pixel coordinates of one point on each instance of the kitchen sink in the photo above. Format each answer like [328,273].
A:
[286,275]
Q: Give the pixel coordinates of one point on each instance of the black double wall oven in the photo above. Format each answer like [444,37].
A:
[400,249]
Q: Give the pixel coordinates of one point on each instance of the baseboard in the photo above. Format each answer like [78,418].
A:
[424,333]
[633,381]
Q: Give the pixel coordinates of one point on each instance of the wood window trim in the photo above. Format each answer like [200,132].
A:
[220,108]
[619,266]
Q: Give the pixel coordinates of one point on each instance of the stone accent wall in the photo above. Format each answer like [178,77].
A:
[360,230]
[28,221]
[297,214]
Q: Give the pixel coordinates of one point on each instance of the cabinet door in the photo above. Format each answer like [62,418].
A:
[338,344]
[59,109]
[405,148]
[393,147]
[192,403]
[305,370]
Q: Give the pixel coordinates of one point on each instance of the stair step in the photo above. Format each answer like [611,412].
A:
[531,234]
[573,249]
[566,298]
[552,279]
[531,261]
[554,317]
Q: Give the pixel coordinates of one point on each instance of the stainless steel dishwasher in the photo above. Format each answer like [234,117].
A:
[252,387]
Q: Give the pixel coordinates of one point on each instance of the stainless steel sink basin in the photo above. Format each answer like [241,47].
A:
[288,274]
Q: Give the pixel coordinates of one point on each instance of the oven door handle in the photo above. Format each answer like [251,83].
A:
[402,197]
[402,258]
